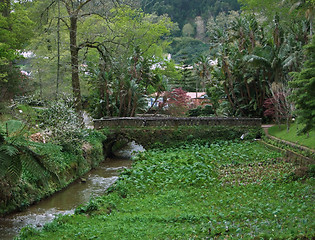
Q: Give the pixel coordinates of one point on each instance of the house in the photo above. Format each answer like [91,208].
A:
[197,98]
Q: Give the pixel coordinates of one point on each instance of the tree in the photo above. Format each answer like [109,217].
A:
[73,10]
[202,69]
[305,6]
[127,61]
[178,102]
[188,30]
[303,85]
[15,31]
[266,10]
[250,59]
[77,12]
[279,106]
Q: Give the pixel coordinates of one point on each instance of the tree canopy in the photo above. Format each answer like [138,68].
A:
[15,31]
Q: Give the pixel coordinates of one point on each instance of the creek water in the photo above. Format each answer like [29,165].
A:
[65,201]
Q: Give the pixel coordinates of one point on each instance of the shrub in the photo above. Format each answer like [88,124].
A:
[199,111]
[61,124]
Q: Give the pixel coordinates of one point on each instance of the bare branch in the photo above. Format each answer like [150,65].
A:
[82,5]
[47,9]
[67,25]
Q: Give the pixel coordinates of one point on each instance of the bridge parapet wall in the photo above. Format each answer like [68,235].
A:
[173,122]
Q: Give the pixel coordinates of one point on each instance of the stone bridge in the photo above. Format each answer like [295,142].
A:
[154,131]
[174,122]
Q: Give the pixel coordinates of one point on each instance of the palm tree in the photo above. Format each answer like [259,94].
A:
[202,69]
[306,6]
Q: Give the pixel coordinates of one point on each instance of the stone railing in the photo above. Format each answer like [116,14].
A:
[173,122]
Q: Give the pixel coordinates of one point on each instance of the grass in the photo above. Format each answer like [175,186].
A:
[292,136]
[225,190]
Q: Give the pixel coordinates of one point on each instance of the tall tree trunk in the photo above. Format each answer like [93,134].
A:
[58,52]
[74,51]
[101,87]
[229,97]
[135,105]
[40,85]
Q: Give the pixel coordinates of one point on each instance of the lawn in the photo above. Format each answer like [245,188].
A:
[225,190]
[292,136]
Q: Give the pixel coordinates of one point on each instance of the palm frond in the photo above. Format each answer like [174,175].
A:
[256,60]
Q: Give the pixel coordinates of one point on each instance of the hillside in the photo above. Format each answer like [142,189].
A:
[190,39]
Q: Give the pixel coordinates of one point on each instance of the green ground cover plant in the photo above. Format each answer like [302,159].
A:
[292,135]
[223,190]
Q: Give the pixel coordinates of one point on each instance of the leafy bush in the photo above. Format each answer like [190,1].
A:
[61,123]
[19,159]
[200,111]
[178,102]
[91,206]
[31,100]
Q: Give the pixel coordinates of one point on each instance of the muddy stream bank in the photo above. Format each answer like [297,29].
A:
[64,202]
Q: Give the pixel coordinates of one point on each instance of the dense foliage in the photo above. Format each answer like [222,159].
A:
[304,90]
[251,60]
[197,191]
[61,124]
[15,32]
[120,78]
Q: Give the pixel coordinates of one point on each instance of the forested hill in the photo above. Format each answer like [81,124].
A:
[193,17]
[183,11]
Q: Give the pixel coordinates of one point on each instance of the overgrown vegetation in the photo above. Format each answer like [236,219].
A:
[150,137]
[34,164]
[224,190]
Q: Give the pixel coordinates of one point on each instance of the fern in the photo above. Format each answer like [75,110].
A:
[14,127]
[16,154]
[8,150]
[14,170]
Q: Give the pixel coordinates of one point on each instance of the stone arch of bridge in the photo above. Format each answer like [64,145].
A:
[117,137]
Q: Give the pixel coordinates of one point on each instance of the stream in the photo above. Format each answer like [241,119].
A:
[65,201]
